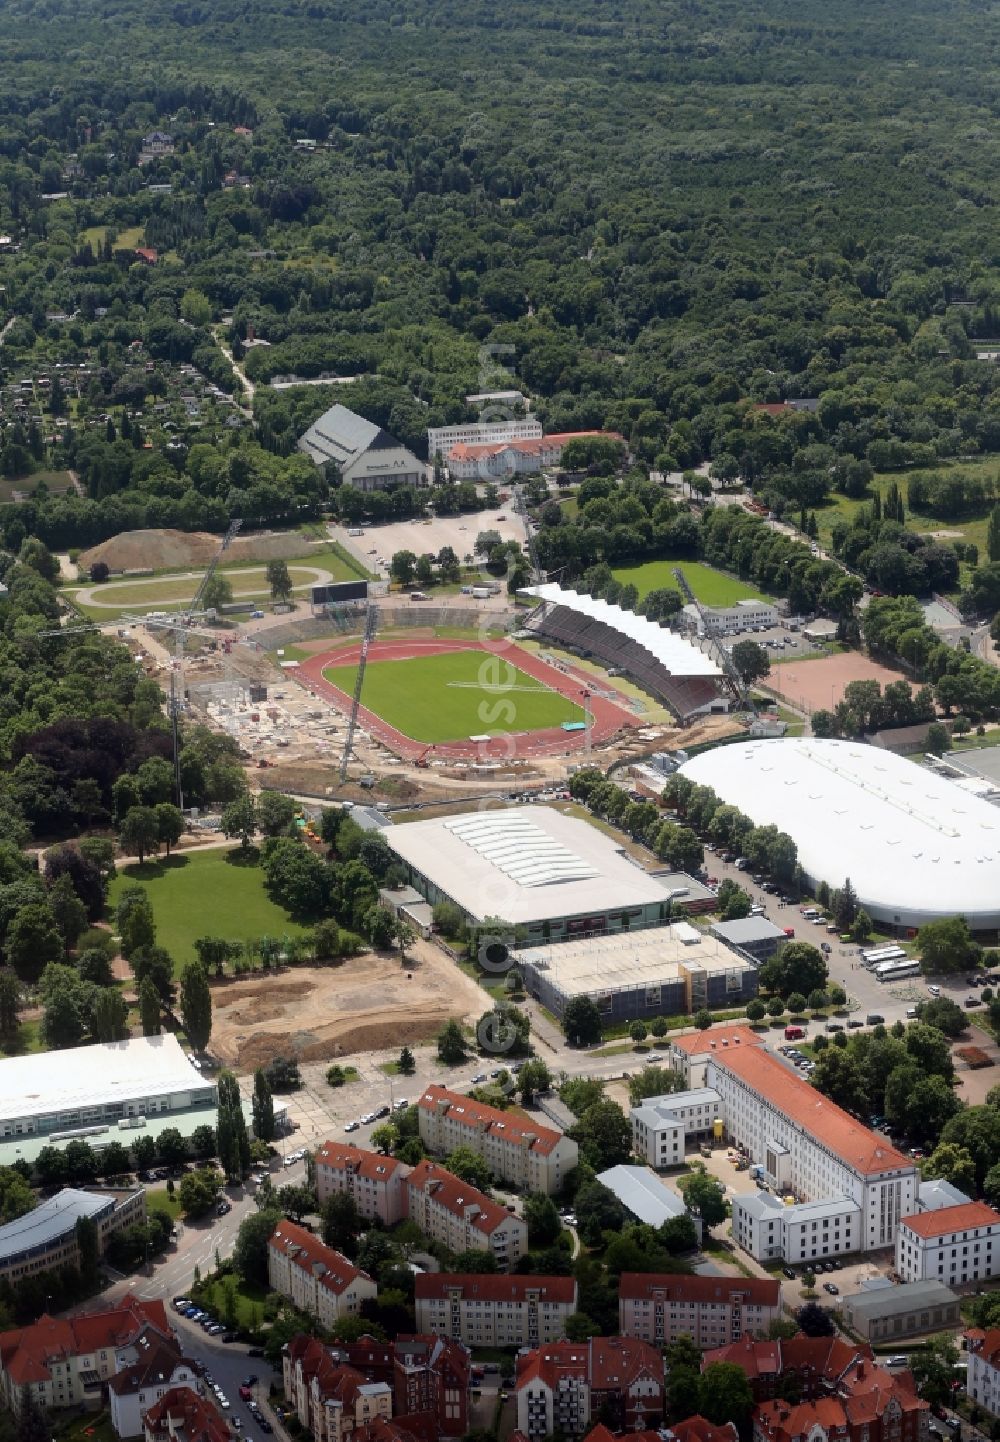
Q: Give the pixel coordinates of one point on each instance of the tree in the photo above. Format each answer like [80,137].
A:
[797,967]
[683,1396]
[110,1015]
[724,1394]
[947,946]
[134,920]
[171,1148]
[814,1320]
[542,1218]
[33,941]
[402,567]
[199,1191]
[469,1167]
[217,594]
[81,1162]
[533,1077]
[603,1134]
[706,1198]
[653,1081]
[10,1001]
[934,1370]
[598,1210]
[149,1007]
[342,1222]
[279,580]
[297,1202]
[203,1142]
[406,1064]
[169,824]
[196,1005]
[240,819]
[250,1250]
[231,1130]
[580,1327]
[263,1108]
[938,739]
[139,832]
[68,911]
[451,1044]
[581,1021]
[275,813]
[844,904]
[384,1138]
[953,1164]
[751,661]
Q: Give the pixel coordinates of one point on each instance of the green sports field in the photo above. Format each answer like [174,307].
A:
[456,694]
[712,587]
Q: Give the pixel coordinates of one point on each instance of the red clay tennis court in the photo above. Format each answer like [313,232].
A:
[607,717]
[819,685]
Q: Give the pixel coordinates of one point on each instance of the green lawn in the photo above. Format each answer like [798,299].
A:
[712,587]
[206,894]
[158,1199]
[91,1427]
[58,483]
[249,1299]
[456,694]
[26,1039]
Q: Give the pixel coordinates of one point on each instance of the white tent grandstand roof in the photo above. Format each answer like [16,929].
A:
[674,654]
[915,846]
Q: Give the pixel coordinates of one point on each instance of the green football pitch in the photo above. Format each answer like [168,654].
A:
[456,694]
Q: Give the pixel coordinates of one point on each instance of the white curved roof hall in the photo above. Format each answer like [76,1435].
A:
[915,845]
[673,653]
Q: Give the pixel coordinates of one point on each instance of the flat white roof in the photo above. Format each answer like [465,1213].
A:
[675,654]
[93,1076]
[654,956]
[915,846]
[524,864]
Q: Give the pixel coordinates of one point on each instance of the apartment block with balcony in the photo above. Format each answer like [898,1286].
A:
[314,1277]
[712,1311]
[374,1182]
[528,1154]
[461,1218]
[495,1311]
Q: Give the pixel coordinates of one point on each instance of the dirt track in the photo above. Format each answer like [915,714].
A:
[319,1013]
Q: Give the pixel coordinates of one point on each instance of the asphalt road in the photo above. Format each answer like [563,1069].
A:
[229,1366]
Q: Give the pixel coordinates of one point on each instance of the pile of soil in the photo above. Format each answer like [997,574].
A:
[188,550]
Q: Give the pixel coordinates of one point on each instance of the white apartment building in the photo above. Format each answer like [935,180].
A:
[951,1245]
[748,615]
[314,1277]
[460,1217]
[531,1155]
[809,1231]
[159,1369]
[492,1311]
[376,1183]
[481,433]
[712,1311]
[809,1147]
[983,1376]
[661,1125]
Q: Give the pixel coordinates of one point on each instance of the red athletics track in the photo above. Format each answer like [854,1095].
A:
[608,717]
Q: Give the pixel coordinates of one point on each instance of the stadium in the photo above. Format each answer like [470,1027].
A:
[915,846]
[684,678]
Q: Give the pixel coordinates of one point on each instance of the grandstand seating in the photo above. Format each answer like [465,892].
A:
[683,695]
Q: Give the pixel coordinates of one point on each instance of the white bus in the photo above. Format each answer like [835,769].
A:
[882,953]
[896,970]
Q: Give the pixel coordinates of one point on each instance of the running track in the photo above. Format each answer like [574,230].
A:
[608,717]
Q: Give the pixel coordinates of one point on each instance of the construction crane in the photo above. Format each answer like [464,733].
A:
[371,626]
[714,637]
[213,565]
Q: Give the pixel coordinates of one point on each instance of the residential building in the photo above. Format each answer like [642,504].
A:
[66,1362]
[45,1238]
[155,146]
[951,1244]
[713,1311]
[368,457]
[563,1387]
[816,1363]
[160,1368]
[644,1196]
[866,1404]
[533,1156]
[315,1277]
[182,1416]
[494,1311]
[455,1214]
[769,1230]
[888,1314]
[441,440]
[808,1146]
[692,1429]
[983,1377]
[661,1125]
[374,1182]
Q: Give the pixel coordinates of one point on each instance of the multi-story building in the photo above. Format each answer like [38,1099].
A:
[867,1404]
[561,1388]
[751,614]
[495,459]
[66,1362]
[691,1053]
[315,1277]
[712,1311]
[492,1311]
[46,1238]
[160,1368]
[441,440]
[182,1416]
[531,1155]
[951,1245]
[769,1230]
[983,1376]
[374,1182]
[461,1218]
[661,1125]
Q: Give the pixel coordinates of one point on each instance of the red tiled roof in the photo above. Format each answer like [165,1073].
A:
[26,1353]
[697,1429]
[989,1348]
[715,1039]
[475,1114]
[332,1270]
[752,1291]
[486,1288]
[756,1359]
[962,1218]
[157,1364]
[533,446]
[825,1122]
[341,1156]
[182,1410]
[457,1196]
[780,1420]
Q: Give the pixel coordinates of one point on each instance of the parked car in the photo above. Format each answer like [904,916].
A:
[789,1273]
[351,1126]
[832,1288]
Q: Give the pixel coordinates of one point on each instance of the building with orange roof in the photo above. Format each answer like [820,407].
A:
[951,1245]
[315,1277]
[374,1182]
[983,1377]
[690,1054]
[864,1404]
[712,1311]
[562,1387]
[481,1310]
[331,1399]
[182,1416]
[533,1156]
[443,440]
[68,1361]
[461,1218]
